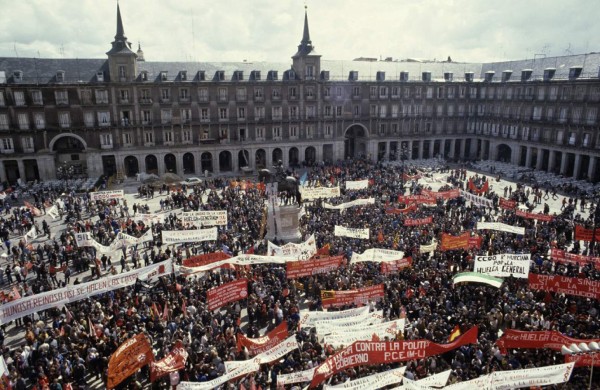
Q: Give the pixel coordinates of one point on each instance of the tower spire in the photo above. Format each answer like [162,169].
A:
[306,34]
[120,30]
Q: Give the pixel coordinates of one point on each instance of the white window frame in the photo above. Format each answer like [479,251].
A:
[6,145]
[127,139]
[101,96]
[103,118]
[23,120]
[64,119]
[19,97]
[39,120]
[27,144]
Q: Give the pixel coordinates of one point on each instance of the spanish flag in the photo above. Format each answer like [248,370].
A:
[454,334]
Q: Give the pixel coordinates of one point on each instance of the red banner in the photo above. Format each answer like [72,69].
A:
[206,259]
[507,204]
[410,199]
[583,360]
[572,258]
[584,234]
[132,355]
[406,177]
[411,207]
[368,353]
[477,190]
[418,221]
[226,293]
[331,298]
[514,339]
[451,194]
[564,285]
[36,212]
[174,361]
[464,241]
[539,217]
[298,269]
[262,344]
[396,265]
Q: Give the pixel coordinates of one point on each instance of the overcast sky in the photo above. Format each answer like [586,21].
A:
[270,30]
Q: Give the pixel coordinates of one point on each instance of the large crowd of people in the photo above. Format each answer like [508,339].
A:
[71,345]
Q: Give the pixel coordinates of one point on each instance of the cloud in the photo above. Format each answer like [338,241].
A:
[270,30]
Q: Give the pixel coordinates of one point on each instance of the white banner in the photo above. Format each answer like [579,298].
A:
[344,324]
[309,193]
[53,212]
[296,377]
[503,265]
[30,235]
[205,218]
[478,200]
[54,298]
[106,195]
[516,379]
[303,251]
[430,248]
[238,260]
[278,351]
[363,332]
[249,367]
[377,255]
[436,380]
[343,206]
[309,318]
[502,227]
[357,184]
[148,219]
[177,236]
[372,382]
[341,231]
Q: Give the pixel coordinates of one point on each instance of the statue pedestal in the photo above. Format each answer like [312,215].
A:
[283,221]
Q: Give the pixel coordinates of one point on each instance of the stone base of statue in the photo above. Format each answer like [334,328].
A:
[283,221]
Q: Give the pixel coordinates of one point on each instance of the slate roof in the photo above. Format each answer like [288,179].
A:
[43,70]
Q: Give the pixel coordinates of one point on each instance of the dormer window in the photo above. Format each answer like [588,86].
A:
[100,77]
[144,75]
[219,75]
[18,76]
[183,75]
[163,76]
[60,76]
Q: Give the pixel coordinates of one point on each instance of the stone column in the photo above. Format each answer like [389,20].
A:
[161,164]
[421,147]
[452,147]
[563,163]
[2,172]
[431,148]
[21,166]
[215,162]
[577,167]
[540,160]
[528,158]
[551,160]
[234,161]
[592,167]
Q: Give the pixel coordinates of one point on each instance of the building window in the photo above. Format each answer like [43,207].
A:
[383,92]
[187,136]
[310,72]
[373,92]
[394,128]
[127,139]
[204,115]
[293,112]
[394,111]
[27,143]
[165,116]
[258,94]
[186,115]
[572,138]
[203,94]
[293,132]
[2,101]
[222,94]
[23,120]
[148,137]
[587,140]
[259,112]
[338,91]
[7,145]
[104,118]
[19,97]
[591,115]
[124,96]
[382,129]
[223,114]
[310,112]
[122,72]
[241,113]
[224,133]
[310,131]
[338,111]
[168,136]
[292,93]
[88,119]
[328,111]
[276,113]
[106,140]
[373,111]
[101,96]
[61,97]
[327,92]
[382,111]
[165,95]
[356,91]
[328,131]
[3,122]
[260,133]
[64,119]
[310,93]
[356,110]
[146,117]
[276,93]
[184,94]
[240,94]
[39,120]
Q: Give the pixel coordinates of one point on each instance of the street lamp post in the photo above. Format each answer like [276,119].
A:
[581,349]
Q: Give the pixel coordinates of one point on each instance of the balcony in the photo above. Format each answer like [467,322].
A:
[165,100]
[106,146]
[184,99]
[146,101]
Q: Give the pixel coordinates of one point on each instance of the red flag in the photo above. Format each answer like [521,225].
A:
[454,334]
[380,236]
[250,251]
[155,311]
[165,315]
[16,293]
